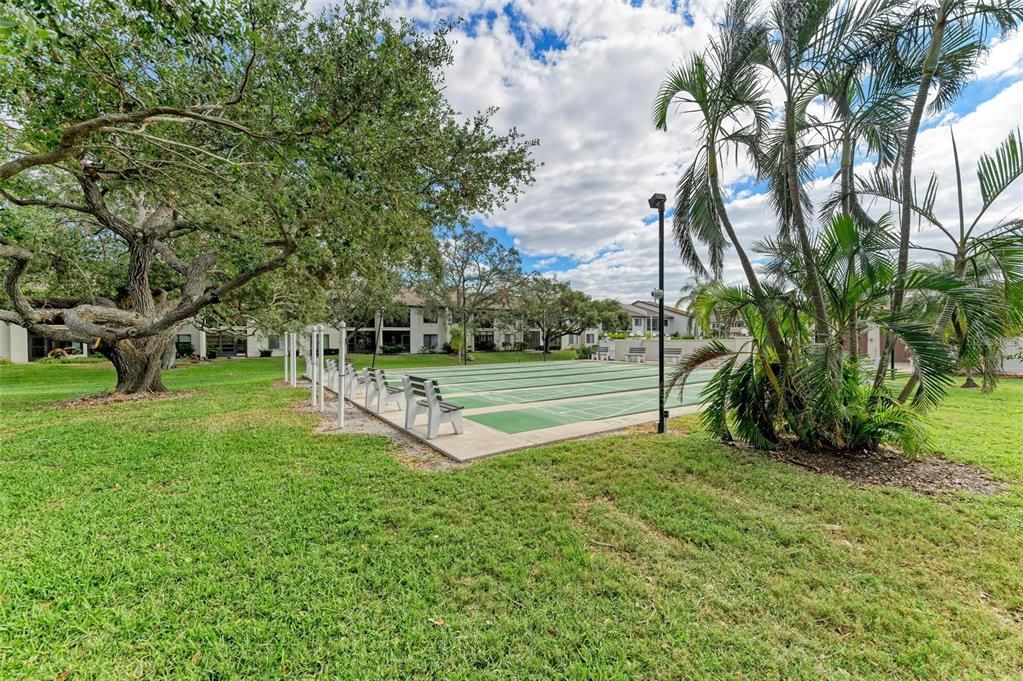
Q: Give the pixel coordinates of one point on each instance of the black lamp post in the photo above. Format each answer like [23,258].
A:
[657,201]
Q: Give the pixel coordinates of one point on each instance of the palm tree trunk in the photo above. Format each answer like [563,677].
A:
[771,321]
[847,200]
[926,77]
[820,311]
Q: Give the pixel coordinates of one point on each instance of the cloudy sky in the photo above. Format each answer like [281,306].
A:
[581,75]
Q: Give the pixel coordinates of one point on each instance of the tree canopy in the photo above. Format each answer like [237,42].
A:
[180,155]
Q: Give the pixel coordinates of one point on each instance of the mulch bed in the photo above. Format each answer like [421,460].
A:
[931,475]
[104,399]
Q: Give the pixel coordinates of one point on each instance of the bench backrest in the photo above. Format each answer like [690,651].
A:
[378,377]
[417,386]
[673,351]
[637,351]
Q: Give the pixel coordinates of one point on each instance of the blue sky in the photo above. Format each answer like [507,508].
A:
[580,75]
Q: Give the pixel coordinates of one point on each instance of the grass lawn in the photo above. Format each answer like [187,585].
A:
[216,537]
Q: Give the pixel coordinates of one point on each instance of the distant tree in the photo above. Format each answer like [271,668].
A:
[198,151]
[555,309]
[476,276]
[363,301]
[611,317]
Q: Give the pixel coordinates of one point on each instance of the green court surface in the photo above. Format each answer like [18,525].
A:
[613,389]
[521,420]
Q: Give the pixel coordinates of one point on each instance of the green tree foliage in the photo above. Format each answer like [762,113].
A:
[185,154]
[555,309]
[475,278]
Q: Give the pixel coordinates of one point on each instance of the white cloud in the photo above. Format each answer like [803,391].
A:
[589,104]
[1004,60]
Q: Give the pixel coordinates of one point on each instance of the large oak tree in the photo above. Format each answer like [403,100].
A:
[191,149]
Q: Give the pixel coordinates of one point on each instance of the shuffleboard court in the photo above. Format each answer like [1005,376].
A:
[494,394]
[544,379]
[509,406]
[521,420]
[458,375]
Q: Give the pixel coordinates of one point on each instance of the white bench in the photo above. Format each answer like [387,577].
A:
[638,353]
[377,389]
[424,393]
[331,378]
[672,354]
[603,352]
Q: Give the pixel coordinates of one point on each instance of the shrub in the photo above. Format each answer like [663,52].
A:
[392,349]
[618,335]
[585,351]
[485,346]
[211,354]
[447,349]
[521,345]
[56,356]
[506,346]
[266,353]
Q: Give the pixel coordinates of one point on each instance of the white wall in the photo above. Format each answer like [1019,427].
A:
[1012,346]
[13,343]
[619,348]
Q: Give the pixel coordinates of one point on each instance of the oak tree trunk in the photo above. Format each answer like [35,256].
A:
[138,363]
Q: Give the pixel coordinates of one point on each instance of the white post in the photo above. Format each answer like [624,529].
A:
[311,365]
[287,358]
[319,362]
[341,376]
[294,359]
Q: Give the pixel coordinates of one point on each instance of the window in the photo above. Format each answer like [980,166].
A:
[429,317]
[326,341]
[429,340]
[183,344]
[509,339]
[397,319]
[275,342]
[591,338]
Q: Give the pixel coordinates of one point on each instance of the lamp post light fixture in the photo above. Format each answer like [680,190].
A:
[657,202]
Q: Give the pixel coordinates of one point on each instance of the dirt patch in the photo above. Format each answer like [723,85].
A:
[405,448]
[104,399]
[931,475]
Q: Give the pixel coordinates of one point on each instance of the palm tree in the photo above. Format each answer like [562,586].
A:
[828,403]
[940,44]
[991,259]
[807,43]
[723,87]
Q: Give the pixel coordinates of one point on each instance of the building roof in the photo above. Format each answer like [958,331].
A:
[409,297]
[645,308]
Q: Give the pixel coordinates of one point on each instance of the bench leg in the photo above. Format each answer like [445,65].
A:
[411,412]
[433,424]
[457,423]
